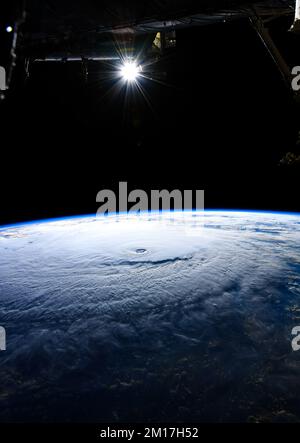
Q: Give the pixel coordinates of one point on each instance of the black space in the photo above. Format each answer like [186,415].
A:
[222,123]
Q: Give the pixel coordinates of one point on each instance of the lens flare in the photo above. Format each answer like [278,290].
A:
[130,71]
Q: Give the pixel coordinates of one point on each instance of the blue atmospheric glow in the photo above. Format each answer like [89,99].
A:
[112,214]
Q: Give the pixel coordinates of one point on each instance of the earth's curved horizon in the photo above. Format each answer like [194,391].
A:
[167,317]
[143,213]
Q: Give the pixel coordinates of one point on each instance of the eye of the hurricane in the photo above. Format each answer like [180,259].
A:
[130,71]
[141,251]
